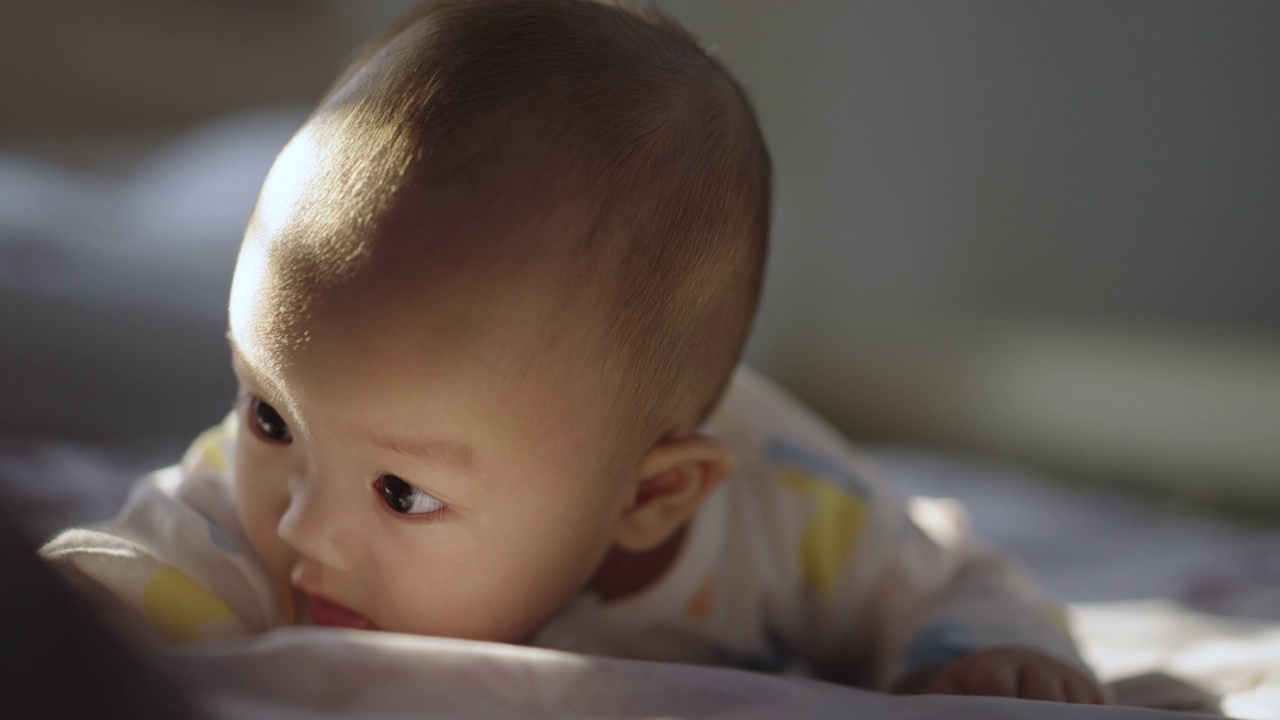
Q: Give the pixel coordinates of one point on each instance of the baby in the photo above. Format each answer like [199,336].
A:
[485,321]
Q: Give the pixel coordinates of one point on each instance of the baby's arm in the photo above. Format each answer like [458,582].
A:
[136,581]
[897,597]
[870,590]
[956,620]
[173,564]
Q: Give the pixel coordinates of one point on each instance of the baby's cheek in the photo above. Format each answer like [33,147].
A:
[498,586]
[260,506]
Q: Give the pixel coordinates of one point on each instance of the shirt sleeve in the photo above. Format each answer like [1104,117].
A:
[868,587]
[173,564]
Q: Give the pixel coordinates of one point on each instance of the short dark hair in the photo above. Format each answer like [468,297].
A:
[621,109]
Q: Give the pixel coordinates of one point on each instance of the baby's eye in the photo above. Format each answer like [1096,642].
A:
[267,423]
[404,498]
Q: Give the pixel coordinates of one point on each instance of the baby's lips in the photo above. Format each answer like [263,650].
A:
[331,614]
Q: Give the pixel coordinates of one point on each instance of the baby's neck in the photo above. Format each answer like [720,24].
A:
[623,573]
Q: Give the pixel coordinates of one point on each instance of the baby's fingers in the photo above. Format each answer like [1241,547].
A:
[1078,689]
[994,679]
[1036,684]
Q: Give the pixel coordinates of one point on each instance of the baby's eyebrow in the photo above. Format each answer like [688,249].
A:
[245,370]
[236,355]
[237,358]
[446,452]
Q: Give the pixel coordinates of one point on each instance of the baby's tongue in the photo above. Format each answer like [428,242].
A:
[331,614]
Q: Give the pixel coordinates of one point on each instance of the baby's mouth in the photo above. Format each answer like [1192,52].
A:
[330,614]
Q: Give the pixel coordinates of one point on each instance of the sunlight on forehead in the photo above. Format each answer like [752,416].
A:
[259,325]
[296,168]
[329,189]
[246,286]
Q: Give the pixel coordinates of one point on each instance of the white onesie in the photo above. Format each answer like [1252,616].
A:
[802,559]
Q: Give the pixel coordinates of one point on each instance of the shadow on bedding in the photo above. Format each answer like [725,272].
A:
[58,660]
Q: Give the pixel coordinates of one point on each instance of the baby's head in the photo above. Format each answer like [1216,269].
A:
[490,292]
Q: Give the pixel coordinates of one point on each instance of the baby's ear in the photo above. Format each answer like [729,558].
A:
[672,480]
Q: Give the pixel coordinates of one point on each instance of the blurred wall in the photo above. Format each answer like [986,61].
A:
[1044,230]
[1114,159]
[1048,231]
[77,68]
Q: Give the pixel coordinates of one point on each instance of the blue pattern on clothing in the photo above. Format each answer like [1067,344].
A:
[217,537]
[785,452]
[943,642]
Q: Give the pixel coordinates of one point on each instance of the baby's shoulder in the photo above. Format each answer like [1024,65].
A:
[801,502]
[777,442]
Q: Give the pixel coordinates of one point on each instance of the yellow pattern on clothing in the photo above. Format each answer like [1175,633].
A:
[210,449]
[177,605]
[831,536]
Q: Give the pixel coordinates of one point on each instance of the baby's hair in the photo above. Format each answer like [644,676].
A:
[618,113]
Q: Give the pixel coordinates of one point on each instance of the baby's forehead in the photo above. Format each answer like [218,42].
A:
[388,318]
[414,266]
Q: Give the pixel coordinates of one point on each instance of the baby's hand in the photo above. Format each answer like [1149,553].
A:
[1006,672]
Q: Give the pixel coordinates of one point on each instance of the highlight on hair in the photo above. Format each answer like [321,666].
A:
[616,111]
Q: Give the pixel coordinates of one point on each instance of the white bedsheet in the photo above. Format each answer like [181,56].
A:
[316,673]
[1237,660]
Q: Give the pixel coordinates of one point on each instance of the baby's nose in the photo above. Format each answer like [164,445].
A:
[318,526]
